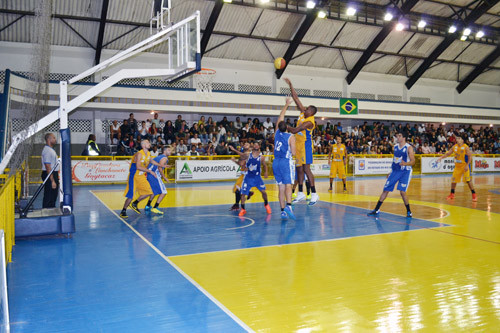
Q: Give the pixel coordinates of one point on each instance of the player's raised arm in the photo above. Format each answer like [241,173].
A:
[302,127]
[295,96]
[237,152]
[282,113]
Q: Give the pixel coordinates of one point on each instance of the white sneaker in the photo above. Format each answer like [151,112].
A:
[314,199]
[300,197]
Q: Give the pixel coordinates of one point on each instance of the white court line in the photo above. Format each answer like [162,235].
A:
[227,215]
[187,277]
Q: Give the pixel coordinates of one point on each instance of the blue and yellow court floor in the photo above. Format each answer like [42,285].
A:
[201,268]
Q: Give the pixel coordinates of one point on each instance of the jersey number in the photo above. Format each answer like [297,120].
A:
[278,146]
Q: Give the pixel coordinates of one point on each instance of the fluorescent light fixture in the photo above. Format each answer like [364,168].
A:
[351,11]
[400,27]
[452,29]
[467,32]
[228,1]
[388,17]
[463,38]
[321,14]
[480,34]
[491,125]
[443,123]
[311,4]
[422,24]
[264,1]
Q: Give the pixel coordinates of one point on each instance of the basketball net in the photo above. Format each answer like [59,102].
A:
[203,81]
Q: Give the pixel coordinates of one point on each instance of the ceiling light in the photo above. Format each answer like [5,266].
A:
[452,29]
[264,1]
[351,11]
[467,32]
[422,24]
[311,4]
[321,14]
[463,38]
[400,27]
[480,34]
[388,17]
[228,1]
[491,125]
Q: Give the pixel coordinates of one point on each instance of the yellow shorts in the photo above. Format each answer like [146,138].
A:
[337,168]
[142,186]
[303,153]
[239,181]
[459,173]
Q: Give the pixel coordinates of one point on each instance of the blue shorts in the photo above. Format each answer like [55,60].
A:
[252,181]
[156,183]
[402,177]
[284,171]
[309,152]
[130,190]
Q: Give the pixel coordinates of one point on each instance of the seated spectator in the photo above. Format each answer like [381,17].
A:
[169,133]
[237,124]
[268,127]
[181,148]
[114,132]
[221,136]
[221,149]
[210,149]
[201,121]
[200,149]
[143,131]
[91,148]
[195,140]
[153,133]
[426,149]
[193,151]
[154,151]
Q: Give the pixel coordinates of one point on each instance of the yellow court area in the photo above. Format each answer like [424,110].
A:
[442,278]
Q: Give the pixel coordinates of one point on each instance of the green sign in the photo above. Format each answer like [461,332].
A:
[349,106]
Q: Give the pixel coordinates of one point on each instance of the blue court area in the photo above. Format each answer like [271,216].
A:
[106,278]
[189,230]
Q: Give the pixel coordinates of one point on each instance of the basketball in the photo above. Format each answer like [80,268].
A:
[279,63]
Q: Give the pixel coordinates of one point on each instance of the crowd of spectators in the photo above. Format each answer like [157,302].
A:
[207,137]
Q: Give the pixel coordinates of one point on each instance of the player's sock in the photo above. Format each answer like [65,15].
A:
[331,183]
[135,203]
[282,209]
[238,197]
[473,191]
[124,211]
[149,202]
[265,202]
[453,190]
[242,206]
[313,189]
[308,187]
[344,186]
[301,188]
[408,208]
[377,207]
[156,205]
[289,204]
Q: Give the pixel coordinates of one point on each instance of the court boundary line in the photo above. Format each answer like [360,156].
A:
[180,271]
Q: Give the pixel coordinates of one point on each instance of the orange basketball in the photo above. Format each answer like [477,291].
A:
[279,63]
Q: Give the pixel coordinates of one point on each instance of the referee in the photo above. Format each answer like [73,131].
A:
[49,161]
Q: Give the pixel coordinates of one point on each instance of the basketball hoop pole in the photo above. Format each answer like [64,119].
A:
[188,61]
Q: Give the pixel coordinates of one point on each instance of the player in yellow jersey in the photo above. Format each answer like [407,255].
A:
[137,181]
[463,157]
[338,165]
[304,145]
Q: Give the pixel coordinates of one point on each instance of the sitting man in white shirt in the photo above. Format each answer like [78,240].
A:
[195,140]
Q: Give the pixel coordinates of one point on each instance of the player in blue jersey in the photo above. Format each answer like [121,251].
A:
[253,178]
[404,159]
[283,164]
[156,180]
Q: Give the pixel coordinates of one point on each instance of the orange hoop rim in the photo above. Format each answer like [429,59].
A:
[206,71]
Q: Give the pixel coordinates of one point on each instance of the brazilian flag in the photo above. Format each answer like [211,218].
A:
[349,106]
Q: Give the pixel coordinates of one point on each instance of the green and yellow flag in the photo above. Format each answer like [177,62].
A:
[349,106]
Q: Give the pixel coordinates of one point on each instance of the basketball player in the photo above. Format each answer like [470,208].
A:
[404,159]
[304,145]
[283,164]
[253,178]
[463,157]
[137,181]
[242,161]
[156,182]
[338,165]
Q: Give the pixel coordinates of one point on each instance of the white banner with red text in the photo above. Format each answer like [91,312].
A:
[488,164]
[372,166]
[431,165]
[99,171]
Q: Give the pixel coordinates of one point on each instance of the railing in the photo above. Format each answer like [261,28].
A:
[35,164]
[10,189]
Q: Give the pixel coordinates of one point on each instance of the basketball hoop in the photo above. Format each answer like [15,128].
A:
[203,81]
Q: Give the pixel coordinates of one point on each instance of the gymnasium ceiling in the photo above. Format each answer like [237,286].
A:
[252,31]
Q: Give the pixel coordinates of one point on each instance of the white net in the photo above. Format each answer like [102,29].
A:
[204,80]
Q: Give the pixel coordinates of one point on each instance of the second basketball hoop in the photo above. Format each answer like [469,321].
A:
[203,81]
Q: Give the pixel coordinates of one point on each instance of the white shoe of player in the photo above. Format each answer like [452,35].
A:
[300,197]
[314,199]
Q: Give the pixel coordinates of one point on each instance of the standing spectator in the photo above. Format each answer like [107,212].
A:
[201,121]
[155,120]
[124,130]
[132,124]
[169,133]
[49,161]
[153,133]
[237,124]
[178,123]
[91,148]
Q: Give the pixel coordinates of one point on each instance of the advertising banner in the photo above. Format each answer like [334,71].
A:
[481,164]
[320,169]
[205,170]
[99,171]
[372,166]
[430,165]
